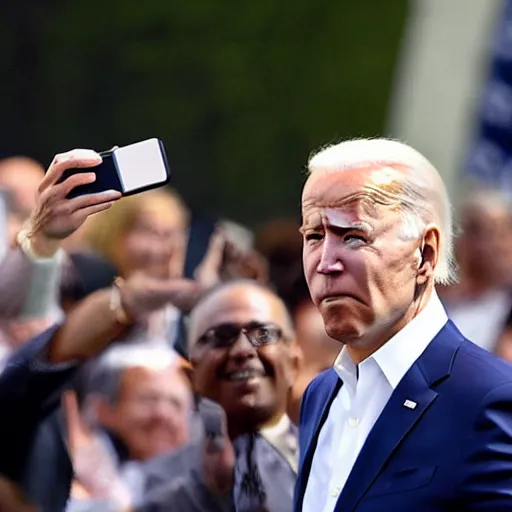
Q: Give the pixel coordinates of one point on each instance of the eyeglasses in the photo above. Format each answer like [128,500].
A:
[226,335]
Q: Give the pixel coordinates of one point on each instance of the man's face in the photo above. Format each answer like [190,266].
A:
[22,178]
[156,237]
[484,249]
[360,272]
[251,384]
[151,415]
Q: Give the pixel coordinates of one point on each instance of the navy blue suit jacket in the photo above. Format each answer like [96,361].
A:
[33,450]
[452,452]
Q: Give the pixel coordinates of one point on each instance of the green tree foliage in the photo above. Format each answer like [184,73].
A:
[240,92]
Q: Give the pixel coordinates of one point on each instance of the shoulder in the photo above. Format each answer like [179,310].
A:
[483,371]
[476,381]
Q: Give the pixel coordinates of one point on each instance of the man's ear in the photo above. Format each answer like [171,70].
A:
[429,257]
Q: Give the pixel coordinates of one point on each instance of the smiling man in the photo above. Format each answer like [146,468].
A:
[412,416]
[241,344]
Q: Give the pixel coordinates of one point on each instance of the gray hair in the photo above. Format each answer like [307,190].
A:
[103,377]
[421,195]
[483,198]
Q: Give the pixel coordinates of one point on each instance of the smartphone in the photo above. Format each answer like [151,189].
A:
[130,170]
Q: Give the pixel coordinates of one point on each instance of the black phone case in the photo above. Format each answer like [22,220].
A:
[107,177]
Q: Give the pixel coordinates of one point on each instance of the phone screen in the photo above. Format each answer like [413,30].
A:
[130,170]
[141,165]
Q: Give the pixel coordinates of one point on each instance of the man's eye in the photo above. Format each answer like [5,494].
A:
[313,236]
[354,238]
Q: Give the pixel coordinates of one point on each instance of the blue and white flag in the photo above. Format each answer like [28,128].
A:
[490,156]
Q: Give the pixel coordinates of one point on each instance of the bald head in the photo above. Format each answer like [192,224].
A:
[21,177]
[399,177]
[238,301]
[243,354]
[484,246]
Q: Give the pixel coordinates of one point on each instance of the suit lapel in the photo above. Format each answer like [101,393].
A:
[318,409]
[398,419]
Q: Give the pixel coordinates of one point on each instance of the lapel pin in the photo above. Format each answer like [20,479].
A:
[410,404]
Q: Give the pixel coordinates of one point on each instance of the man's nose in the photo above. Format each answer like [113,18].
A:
[242,348]
[330,261]
[163,409]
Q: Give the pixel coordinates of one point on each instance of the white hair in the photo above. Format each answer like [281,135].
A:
[104,375]
[422,195]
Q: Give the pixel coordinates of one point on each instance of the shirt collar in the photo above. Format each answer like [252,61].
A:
[398,354]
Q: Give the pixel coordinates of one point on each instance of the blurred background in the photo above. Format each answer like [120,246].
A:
[241,93]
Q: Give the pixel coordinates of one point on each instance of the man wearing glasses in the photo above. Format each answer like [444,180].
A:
[241,346]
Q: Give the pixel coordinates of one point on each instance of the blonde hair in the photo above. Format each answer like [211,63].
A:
[421,195]
[104,230]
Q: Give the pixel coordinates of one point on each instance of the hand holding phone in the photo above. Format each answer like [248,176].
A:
[55,216]
[129,170]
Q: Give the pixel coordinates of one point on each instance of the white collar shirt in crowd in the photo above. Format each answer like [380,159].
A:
[365,392]
[481,319]
[283,437]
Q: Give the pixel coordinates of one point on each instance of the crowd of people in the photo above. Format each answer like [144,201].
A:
[162,391]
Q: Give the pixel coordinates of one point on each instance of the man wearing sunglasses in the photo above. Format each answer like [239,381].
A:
[242,352]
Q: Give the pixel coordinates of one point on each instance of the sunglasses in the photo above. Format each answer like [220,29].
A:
[226,335]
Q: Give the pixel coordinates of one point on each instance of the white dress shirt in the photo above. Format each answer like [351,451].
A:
[365,392]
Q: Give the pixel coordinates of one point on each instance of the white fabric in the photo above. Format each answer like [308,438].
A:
[365,392]
[481,320]
[283,437]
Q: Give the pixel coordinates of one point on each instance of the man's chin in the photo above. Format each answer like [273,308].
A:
[252,411]
[344,333]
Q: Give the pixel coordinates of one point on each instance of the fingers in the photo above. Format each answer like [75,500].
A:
[216,247]
[64,188]
[77,158]
[91,210]
[208,271]
[90,200]
[178,256]
[84,205]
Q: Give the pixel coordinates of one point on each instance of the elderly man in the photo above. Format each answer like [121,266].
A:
[412,417]
[137,404]
[34,450]
[481,302]
[141,396]
[241,347]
